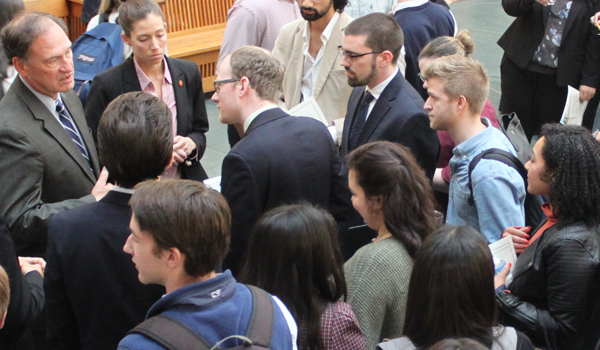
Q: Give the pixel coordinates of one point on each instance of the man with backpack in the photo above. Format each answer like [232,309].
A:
[486,194]
[179,235]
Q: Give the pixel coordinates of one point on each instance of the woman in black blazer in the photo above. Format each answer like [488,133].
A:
[179,80]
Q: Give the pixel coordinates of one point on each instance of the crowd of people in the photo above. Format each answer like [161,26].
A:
[369,229]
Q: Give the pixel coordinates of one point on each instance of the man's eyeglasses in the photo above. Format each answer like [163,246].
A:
[352,56]
[218,83]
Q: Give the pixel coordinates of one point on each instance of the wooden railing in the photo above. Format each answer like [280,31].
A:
[195,28]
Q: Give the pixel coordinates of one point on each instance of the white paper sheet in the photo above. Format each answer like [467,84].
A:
[573,112]
[504,252]
[309,108]
[214,183]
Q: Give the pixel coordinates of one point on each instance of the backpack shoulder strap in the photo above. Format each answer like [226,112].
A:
[170,334]
[103,17]
[500,156]
[262,321]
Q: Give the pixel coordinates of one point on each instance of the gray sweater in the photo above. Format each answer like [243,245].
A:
[377,277]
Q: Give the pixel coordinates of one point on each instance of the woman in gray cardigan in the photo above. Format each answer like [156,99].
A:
[394,197]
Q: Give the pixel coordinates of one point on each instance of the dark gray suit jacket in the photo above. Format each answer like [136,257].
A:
[398,116]
[43,171]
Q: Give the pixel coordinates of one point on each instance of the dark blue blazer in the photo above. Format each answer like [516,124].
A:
[280,160]
[93,295]
[192,120]
[398,116]
[26,297]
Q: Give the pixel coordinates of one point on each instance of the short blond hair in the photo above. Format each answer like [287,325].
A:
[4,292]
[264,71]
[461,76]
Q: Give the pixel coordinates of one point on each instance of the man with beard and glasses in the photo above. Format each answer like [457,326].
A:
[307,48]
[383,106]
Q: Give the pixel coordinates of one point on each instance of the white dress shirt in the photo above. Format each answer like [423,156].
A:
[376,92]
[312,65]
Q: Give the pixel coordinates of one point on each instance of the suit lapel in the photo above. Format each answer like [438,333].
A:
[298,63]
[179,90]
[130,80]
[357,92]
[329,56]
[381,108]
[575,7]
[54,127]
[78,117]
[264,118]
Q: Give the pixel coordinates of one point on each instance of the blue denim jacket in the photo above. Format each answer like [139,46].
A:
[498,189]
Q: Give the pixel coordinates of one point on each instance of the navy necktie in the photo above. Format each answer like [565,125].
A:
[69,125]
[359,120]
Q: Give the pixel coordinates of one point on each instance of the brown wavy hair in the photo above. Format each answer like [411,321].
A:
[389,170]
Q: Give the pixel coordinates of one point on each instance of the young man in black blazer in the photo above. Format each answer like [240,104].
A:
[280,159]
[93,296]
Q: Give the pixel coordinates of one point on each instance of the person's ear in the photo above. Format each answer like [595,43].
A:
[20,66]
[125,39]
[386,58]
[173,257]
[246,86]
[377,203]
[462,104]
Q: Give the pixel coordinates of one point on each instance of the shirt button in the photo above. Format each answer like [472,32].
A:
[530,264]
[464,157]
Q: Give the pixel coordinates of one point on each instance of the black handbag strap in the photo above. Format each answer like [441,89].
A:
[498,155]
[175,335]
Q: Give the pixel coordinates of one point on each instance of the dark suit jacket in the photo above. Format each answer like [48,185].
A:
[93,295]
[579,53]
[192,120]
[26,296]
[43,171]
[398,116]
[280,160]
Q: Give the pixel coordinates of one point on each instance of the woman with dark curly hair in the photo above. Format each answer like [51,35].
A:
[293,254]
[394,197]
[554,297]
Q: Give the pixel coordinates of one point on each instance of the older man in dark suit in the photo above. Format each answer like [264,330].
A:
[47,154]
[280,159]
[383,106]
[93,295]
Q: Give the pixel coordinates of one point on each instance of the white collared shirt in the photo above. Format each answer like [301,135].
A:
[46,100]
[123,189]
[255,114]
[378,90]
[312,65]
[50,103]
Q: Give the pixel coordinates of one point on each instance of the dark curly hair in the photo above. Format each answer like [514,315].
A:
[572,157]
[389,170]
[339,5]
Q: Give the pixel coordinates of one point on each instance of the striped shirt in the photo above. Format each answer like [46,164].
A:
[256,22]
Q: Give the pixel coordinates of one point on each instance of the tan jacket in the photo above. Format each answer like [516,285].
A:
[331,90]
